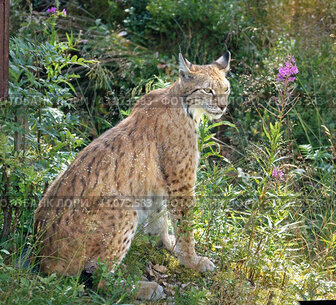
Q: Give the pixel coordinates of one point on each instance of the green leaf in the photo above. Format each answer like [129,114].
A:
[70,85]
[5,251]
[74,58]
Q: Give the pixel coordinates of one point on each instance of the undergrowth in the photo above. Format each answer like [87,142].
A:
[266,182]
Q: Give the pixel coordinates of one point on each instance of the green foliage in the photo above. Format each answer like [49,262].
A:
[38,133]
[207,144]
[272,237]
[117,286]
[197,27]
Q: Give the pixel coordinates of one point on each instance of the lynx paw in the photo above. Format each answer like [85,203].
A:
[169,242]
[199,263]
[205,264]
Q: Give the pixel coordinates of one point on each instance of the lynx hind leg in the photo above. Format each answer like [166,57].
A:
[113,230]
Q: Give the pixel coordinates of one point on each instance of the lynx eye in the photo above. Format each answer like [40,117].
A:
[208,91]
[227,90]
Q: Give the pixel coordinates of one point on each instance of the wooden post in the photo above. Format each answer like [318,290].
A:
[7,209]
[4,48]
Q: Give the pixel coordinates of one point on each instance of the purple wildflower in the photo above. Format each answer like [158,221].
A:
[64,12]
[52,10]
[277,173]
[287,72]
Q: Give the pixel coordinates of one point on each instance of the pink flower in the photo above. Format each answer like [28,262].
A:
[64,12]
[277,173]
[52,10]
[287,72]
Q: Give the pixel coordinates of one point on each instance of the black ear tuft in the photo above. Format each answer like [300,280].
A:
[184,67]
[223,62]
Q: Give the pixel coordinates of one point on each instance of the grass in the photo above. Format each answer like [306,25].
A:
[272,241]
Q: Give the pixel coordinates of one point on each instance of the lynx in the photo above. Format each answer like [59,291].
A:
[124,177]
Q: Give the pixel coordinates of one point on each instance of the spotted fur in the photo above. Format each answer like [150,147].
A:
[143,168]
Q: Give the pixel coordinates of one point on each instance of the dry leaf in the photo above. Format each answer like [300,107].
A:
[160,268]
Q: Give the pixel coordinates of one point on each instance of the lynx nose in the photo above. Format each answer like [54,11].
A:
[222,107]
[222,102]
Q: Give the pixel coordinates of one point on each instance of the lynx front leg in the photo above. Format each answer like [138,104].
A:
[181,213]
[158,225]
[167,240]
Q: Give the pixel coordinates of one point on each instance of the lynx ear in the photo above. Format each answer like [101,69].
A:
[184,67]
[223,62]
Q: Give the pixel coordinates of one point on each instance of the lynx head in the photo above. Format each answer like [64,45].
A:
[205,89]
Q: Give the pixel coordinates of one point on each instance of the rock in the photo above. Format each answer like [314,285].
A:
[150,291]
